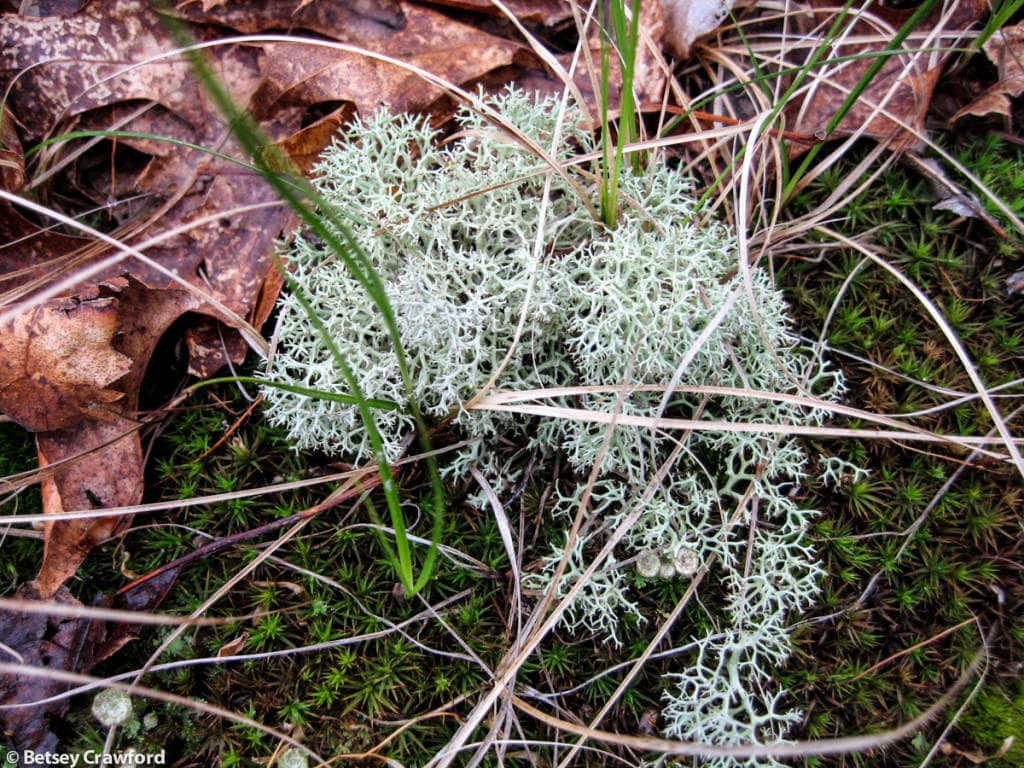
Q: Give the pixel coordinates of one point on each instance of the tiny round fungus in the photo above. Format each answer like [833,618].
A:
[112,707]
[292,758]
[648,564]
[686,561]
[666,571]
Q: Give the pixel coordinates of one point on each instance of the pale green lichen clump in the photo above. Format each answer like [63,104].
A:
[605,308]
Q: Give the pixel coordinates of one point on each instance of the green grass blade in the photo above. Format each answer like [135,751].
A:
[325,222]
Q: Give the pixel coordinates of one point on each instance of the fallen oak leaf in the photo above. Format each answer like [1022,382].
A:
[995,101]
[96,36]
[69,65]
[303,148]
[178,182]
[23,244]
[50,639]
[57,364]
[345,20]
[106,471]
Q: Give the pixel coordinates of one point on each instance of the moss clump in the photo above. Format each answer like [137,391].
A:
[966,550]
[996,715]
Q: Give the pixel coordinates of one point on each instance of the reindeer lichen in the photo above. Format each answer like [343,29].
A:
[451,230]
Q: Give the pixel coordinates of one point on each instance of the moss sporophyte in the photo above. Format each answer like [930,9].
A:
[618,314]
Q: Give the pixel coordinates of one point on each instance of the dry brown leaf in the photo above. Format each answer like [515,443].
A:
[60,643]
[105,470]
[1005,49]
[305,146]
[232,647]
[993,102]
[297,75]
[50,642]
[349,20]
[24,247]
[12,159]
[545,12]
[975,758]
[58,362]
[83,50]
[650,73]
[903,86]
[226,257]
[102,458]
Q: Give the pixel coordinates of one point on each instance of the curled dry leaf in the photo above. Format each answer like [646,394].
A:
[975,758]
[297,74]
[687,20]
[1005,49]
[59,643]
[951,197]
[102,457]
